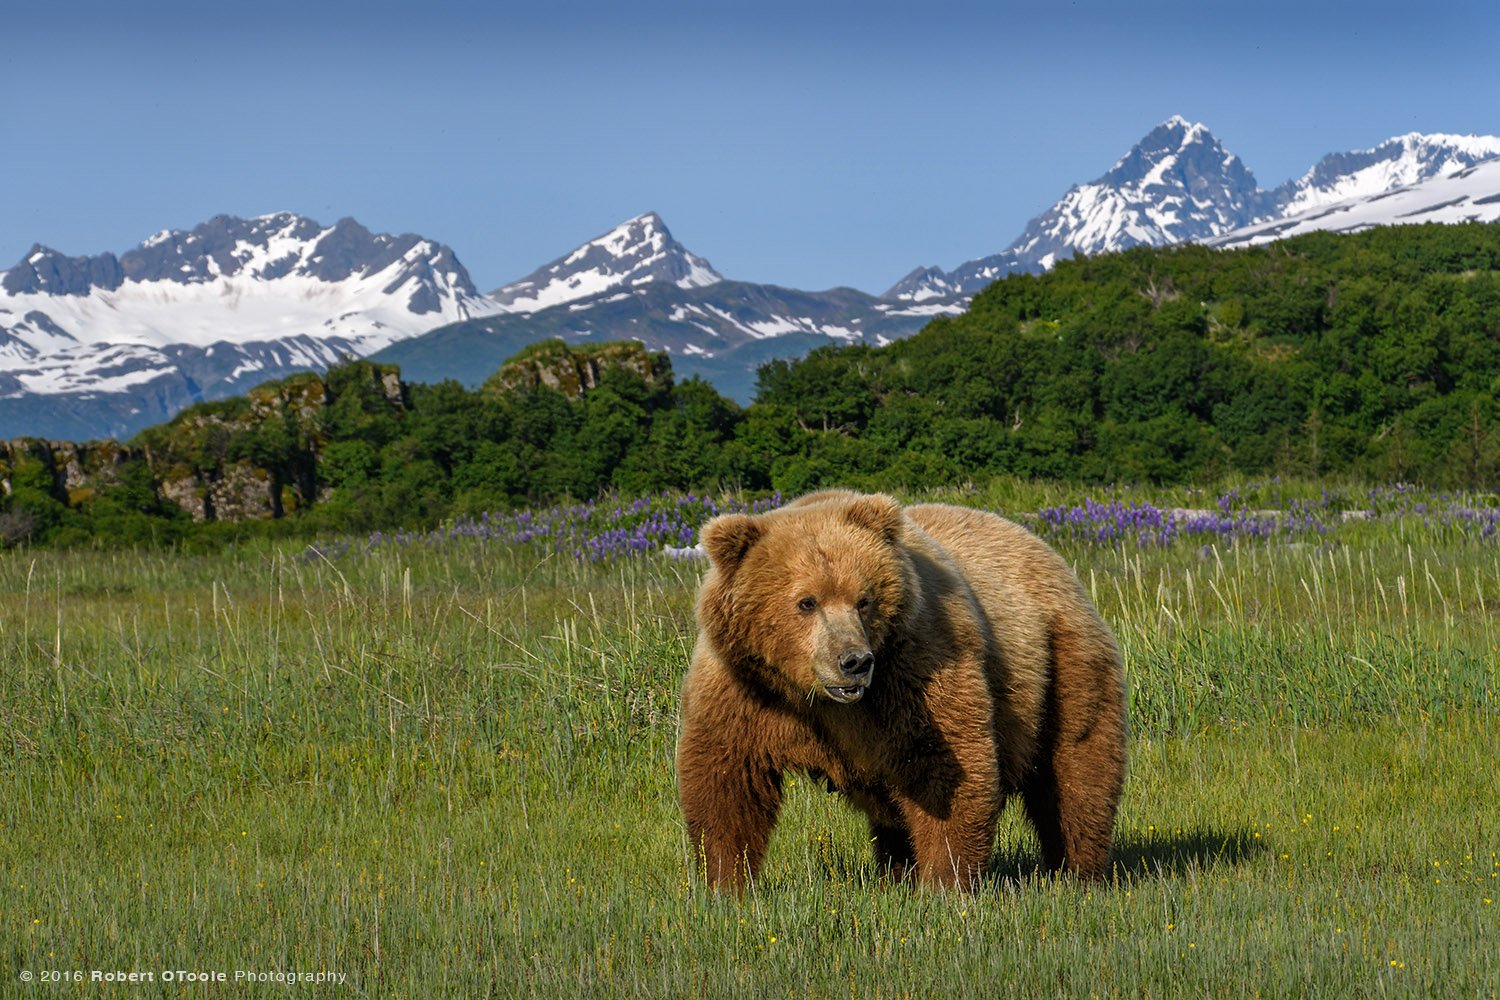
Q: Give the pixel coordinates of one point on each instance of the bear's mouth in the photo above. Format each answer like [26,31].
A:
[845,695]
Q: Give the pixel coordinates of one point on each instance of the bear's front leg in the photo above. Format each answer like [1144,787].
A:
[730,802]
[952,849]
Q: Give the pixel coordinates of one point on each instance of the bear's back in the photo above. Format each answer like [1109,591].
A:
[1012,571]
[1023,588]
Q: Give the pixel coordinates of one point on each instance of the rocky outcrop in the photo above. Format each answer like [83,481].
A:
[242,492]
[256,456]
[261,455]
[45,270]
[575,369]
[253,457]
[66,470]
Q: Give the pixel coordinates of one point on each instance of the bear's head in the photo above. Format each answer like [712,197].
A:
[808,597]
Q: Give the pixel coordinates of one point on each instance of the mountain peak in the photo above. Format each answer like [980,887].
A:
[1177,183]
[638,251]
[282,244]
[1181,151]
[46,271]
[647,219]
[644,230]
[1174,135]
[1177,131]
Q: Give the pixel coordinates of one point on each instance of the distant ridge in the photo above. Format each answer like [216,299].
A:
[1471,194]
[95,346]
[1179,184]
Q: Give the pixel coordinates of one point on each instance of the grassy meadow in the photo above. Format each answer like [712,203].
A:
[442,766]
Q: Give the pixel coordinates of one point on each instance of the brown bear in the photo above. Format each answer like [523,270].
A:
[926,661]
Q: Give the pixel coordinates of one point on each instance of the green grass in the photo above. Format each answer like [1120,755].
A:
[449,772]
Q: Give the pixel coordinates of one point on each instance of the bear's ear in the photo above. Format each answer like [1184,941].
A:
[727,538]
[878,513]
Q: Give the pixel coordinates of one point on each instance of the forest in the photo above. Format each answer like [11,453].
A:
[1370,357]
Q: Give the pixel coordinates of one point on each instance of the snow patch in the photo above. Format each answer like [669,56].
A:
[1468,195]
[934,309]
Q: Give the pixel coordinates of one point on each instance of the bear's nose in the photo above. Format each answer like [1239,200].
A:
[857,664]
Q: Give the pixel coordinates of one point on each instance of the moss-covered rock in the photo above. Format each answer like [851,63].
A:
[250,457]
[574,369]
[242,492]
[256,456]
[59,468]
[188,493]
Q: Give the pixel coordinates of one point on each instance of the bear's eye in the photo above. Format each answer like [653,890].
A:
[807,604]
[864,604]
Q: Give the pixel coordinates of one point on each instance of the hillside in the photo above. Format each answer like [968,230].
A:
[1374,355]
[721,332]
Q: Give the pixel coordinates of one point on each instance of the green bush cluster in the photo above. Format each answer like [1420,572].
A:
[456,451]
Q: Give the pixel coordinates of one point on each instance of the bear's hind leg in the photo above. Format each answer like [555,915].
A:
[1072,794]
[1070,800]
[894,854]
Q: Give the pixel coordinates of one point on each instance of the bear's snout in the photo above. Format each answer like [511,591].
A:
[856,664]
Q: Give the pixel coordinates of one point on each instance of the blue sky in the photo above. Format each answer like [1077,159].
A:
[805,144]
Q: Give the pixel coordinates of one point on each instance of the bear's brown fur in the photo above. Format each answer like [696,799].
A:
[928,661]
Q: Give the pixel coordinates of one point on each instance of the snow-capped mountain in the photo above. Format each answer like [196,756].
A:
[1176,184]
[721,330]
[205,313]
[102,346]
[1471,194]
[634,253]
[1396,163]
[1180,184]
[928,283]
